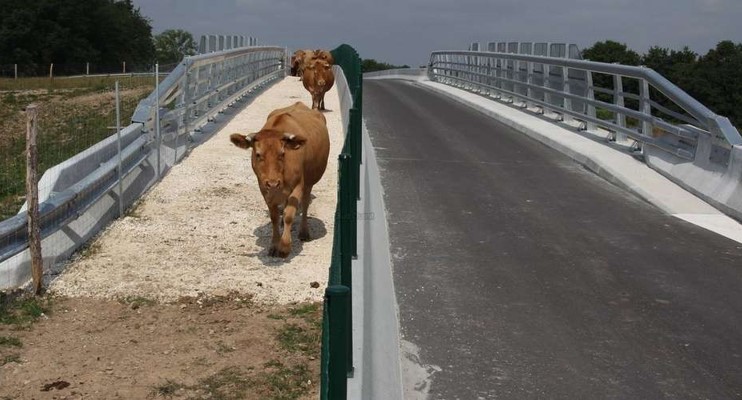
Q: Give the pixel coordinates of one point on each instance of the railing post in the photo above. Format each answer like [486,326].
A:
[618,100]
[119,169]
[566,101]
[338,305]
[590,125]
[158,135]
[645,107]
[347,221]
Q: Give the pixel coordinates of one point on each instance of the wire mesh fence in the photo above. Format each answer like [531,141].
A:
[71,118]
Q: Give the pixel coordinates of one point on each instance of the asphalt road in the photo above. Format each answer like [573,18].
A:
[521,275]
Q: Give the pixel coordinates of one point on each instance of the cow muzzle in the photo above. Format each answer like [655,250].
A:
[273,184]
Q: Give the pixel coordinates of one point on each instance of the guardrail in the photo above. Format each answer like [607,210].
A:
[84,193]
[337,340]
[633,101]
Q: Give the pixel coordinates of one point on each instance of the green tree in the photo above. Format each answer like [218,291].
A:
[102,32]
[173,44]
[611,52]
[717,80]
[371,65]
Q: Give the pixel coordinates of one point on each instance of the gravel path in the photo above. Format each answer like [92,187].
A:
[205,227]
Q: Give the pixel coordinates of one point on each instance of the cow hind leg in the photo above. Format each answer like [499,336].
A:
[304,228]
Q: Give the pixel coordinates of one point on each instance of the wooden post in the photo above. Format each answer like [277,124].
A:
[32,199]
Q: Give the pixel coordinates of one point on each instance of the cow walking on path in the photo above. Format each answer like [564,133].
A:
[318,78]
[289,156]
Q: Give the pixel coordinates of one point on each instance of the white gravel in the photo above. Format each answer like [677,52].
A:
[205,227]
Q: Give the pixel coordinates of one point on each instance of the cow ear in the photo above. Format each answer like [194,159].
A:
[293,142]
[242,141]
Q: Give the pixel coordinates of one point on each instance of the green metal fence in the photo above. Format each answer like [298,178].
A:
[337,340]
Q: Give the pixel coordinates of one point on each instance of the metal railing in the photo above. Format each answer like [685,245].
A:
[544,49]
[337,340]
[164,127]
[624,100]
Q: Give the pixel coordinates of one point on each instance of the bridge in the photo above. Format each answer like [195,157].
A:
[511,244]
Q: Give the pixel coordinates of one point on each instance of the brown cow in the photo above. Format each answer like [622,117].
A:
[289,156]
[296,61]
[318,78]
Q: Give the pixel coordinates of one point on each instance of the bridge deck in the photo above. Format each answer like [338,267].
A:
[521,275]
[205,227]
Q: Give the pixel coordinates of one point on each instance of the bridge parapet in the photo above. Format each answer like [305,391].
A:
[679,136]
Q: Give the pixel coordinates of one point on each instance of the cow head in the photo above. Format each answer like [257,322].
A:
[318,67]
[269,148]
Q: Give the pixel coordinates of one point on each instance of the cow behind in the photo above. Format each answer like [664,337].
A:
[318,78]
[296,62]
[289,156]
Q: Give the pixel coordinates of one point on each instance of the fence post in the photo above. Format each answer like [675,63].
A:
[124,67]
[51,71]
[645,107]
[87,68]
[338,304]
[347,220]
[157,119]
[118,142]
[618,99]
[32,199]
[15,70]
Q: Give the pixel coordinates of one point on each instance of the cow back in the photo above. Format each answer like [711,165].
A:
[310,159]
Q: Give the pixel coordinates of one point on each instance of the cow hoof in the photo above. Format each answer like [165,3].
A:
[304,236]
[275,252]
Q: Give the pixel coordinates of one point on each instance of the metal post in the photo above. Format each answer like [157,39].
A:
[346,227]
[32,199]
[51,71]
[157,119]
[87,68]
[124,67]
[118,141]
[15,69]
[566,101]
[590,126]
[338,305]
[619,101]
[645,107]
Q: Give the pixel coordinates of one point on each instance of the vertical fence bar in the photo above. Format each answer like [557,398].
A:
[15,70]
[645,107]
[590,125]
[157,121]
[32,198]
[619,101]
[124,68]
[119,170]
[338,304]
[87,68]
[51,71]
[347,221]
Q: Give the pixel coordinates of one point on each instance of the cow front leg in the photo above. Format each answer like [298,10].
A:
[304,228]
[321,102]
[276,238]
[289,212]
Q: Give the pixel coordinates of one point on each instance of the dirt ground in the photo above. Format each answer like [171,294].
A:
[197,348]
[179,299]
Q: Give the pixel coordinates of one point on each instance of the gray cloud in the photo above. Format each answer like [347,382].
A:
[406,31]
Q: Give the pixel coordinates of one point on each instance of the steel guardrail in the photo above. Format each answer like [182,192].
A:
[566,86]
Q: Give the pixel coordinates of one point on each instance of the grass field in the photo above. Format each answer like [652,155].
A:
[74,114]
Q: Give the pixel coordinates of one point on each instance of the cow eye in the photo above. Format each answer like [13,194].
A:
[259,156]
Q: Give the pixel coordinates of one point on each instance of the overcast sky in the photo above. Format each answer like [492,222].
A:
[406,31]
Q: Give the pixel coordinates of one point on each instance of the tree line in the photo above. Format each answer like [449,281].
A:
[714,79]
[101,32]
